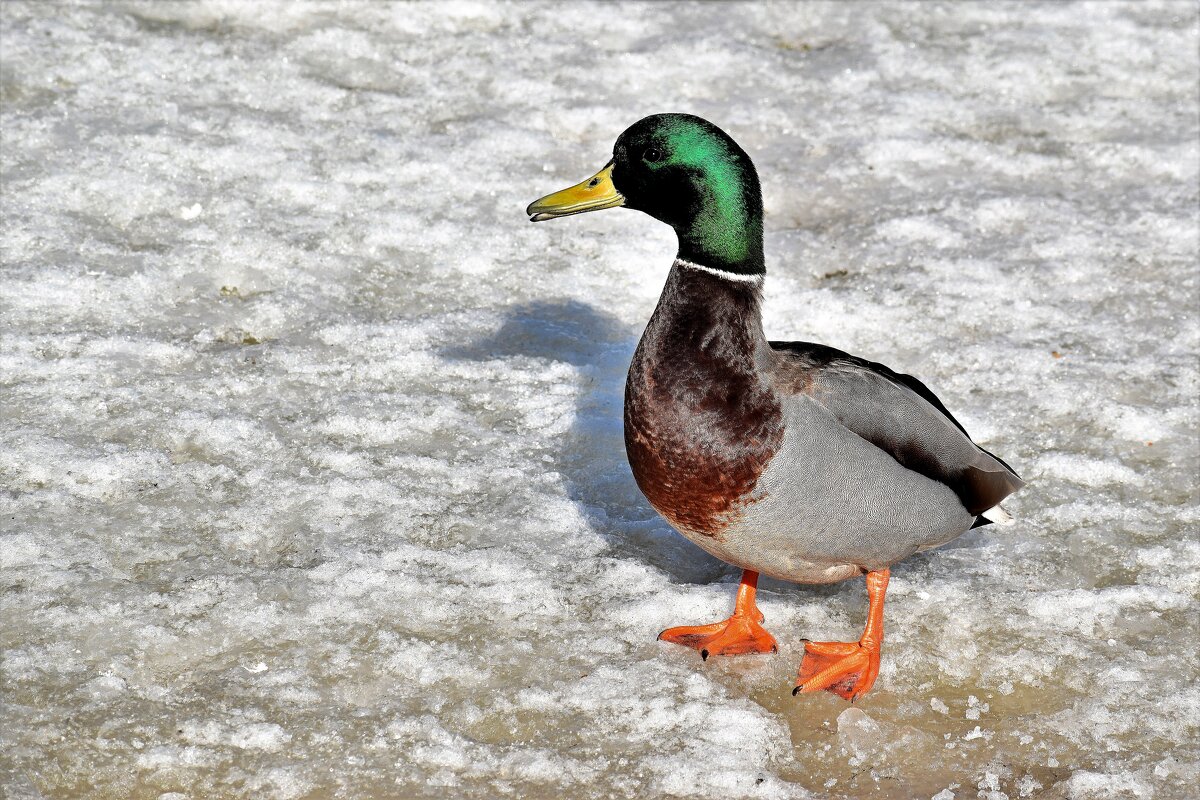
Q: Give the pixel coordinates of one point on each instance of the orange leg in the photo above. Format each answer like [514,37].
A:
[739,634]
[848,669]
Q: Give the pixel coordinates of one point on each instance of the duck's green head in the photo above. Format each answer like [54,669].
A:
[686,172]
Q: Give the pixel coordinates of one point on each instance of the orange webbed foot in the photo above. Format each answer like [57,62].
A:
[735,636]
[740,634]
[848,669]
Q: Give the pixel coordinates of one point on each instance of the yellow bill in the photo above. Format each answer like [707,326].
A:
[595,193]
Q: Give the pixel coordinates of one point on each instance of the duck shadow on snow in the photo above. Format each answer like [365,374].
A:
[591,456]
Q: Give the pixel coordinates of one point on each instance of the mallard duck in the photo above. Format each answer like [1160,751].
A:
[787,459]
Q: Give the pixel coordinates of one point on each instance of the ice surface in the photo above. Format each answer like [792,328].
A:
[314,483]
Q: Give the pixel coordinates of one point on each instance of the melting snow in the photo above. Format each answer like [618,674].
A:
[313,473]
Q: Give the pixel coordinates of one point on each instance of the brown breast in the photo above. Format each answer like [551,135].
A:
[700,422]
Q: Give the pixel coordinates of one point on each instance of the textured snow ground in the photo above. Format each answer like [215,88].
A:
[313,476]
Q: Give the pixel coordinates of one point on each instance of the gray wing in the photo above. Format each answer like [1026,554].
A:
[899,415]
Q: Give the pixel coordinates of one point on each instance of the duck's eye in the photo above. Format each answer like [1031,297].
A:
[653,154]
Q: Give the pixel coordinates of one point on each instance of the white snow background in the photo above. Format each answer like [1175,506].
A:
[313,475]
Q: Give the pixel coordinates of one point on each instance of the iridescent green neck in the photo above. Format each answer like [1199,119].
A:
[725,227]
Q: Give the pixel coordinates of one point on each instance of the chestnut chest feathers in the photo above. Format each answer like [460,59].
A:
[701,421]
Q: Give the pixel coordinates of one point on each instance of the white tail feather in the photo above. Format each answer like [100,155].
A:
[999,516]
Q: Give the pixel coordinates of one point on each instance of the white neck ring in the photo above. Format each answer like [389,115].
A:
[736,277]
